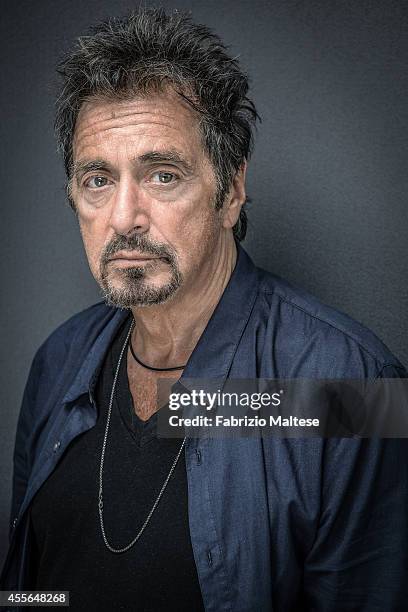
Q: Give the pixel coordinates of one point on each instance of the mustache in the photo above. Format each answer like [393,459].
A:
[140,243]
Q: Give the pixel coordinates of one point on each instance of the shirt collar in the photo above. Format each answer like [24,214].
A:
[215,350]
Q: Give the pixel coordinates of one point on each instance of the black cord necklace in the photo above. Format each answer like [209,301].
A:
[144,365]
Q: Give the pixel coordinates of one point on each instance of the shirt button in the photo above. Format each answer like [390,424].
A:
[15,522]
[56,446]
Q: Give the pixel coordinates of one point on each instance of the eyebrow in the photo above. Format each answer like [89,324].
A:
[81,167]
[170,155]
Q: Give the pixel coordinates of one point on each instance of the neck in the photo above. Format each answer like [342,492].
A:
[166,334]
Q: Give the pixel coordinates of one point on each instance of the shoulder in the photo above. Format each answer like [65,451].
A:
[71,353]
[78,333]
[325,337]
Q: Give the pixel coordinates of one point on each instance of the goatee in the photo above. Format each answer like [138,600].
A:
[135,289]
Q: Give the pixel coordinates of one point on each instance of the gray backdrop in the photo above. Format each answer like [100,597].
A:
[328,178]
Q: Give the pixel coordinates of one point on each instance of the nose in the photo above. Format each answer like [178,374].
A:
[130,210]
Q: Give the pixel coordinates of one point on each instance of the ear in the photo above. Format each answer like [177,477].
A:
[235,199]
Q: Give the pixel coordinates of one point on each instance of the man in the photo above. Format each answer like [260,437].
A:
[155,127]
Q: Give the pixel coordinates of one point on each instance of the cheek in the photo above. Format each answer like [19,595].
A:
[93,240]
[197,235]
[185,223]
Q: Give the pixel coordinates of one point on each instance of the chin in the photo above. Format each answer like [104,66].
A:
[138,291]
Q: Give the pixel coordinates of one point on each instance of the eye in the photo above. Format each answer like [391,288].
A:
[95,182]
[164,178]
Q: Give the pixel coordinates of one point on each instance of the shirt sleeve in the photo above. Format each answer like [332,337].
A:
[359,559]
[21,457]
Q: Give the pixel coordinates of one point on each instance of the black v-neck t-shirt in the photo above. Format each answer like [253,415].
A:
[158,573]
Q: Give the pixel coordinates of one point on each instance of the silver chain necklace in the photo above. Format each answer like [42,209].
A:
[100,502]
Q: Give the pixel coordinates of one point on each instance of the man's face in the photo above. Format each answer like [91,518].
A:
[144,191]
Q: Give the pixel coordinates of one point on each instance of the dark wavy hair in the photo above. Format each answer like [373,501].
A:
[146,52]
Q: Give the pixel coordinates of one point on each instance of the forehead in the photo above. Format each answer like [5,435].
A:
[113,125]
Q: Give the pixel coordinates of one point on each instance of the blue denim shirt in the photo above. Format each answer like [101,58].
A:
[276,524]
